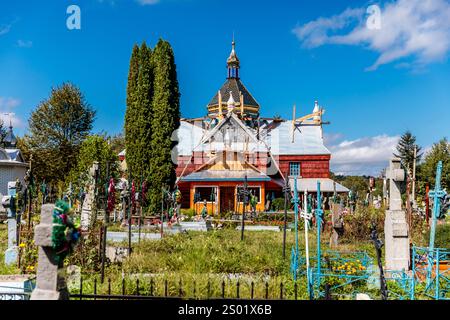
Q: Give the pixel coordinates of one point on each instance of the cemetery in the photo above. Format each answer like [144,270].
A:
[231,205]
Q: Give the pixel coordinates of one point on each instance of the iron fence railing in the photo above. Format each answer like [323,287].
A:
[137,290]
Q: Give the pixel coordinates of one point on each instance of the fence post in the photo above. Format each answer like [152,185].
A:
[109,288]
[281,290]
[327,291]
[194,290]
[180,289]
[137,286]
[252,290]
[95,288]
[267,290]
[81,287]
[165,287]
[151,287]
[123,286]
[209,289]
[237,289]
[223,289]
[295,290]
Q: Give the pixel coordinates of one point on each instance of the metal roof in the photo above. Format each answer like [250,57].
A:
[276,135]
[310,185]
[225,175]
[308,140]
[235,86]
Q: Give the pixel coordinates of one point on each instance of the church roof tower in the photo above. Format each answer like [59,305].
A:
[245,104]
[10,140]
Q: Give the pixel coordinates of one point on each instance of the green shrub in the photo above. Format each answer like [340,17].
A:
[442,237]
[278,204]
[357,226]
[188,212]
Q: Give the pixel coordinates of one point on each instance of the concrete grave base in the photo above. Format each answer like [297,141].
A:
[41,294]
[397,240]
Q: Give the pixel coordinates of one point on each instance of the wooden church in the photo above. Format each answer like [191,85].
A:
[233,143]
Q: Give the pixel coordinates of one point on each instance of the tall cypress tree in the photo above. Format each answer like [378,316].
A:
[166,119]
[131,113]
[138,114]
[144,117]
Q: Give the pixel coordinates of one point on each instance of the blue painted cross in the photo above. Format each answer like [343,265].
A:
[437,194]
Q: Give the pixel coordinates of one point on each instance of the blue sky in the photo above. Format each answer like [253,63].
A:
[290,52]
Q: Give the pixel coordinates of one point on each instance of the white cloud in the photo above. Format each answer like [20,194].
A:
[4,29]
[6,118]
[24,43]
[9,103]
[415,29]
[364,156]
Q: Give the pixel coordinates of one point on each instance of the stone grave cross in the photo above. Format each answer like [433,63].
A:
[50,279]
[396,228]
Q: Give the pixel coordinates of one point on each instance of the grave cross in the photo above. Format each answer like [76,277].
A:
[50,280]
[437,194]
[396,228]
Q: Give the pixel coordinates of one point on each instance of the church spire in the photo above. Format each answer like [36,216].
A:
[233,63]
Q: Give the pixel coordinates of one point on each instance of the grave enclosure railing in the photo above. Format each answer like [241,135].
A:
[137,289]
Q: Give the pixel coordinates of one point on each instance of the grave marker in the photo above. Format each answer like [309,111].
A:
[396,230]
[8,202]
[50,279]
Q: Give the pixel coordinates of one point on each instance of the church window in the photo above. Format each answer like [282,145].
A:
[294,169]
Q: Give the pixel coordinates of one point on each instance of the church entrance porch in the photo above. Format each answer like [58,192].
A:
[221,196]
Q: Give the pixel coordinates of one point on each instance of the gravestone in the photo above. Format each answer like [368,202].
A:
[337,224]
[89,200]
[50,278]
[8,202]
[397,255]
[116,254]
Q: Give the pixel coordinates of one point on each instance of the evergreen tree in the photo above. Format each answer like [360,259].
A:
[57,127]
[165,120]
[139,112]
[405,149]
[132,112]
[144,119]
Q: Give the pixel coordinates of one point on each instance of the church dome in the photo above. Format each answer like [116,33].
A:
[233,88]
[10,140]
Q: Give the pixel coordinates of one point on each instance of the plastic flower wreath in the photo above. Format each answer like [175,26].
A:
[65,233]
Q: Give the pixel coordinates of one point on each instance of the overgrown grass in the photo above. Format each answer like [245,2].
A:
[219,251]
